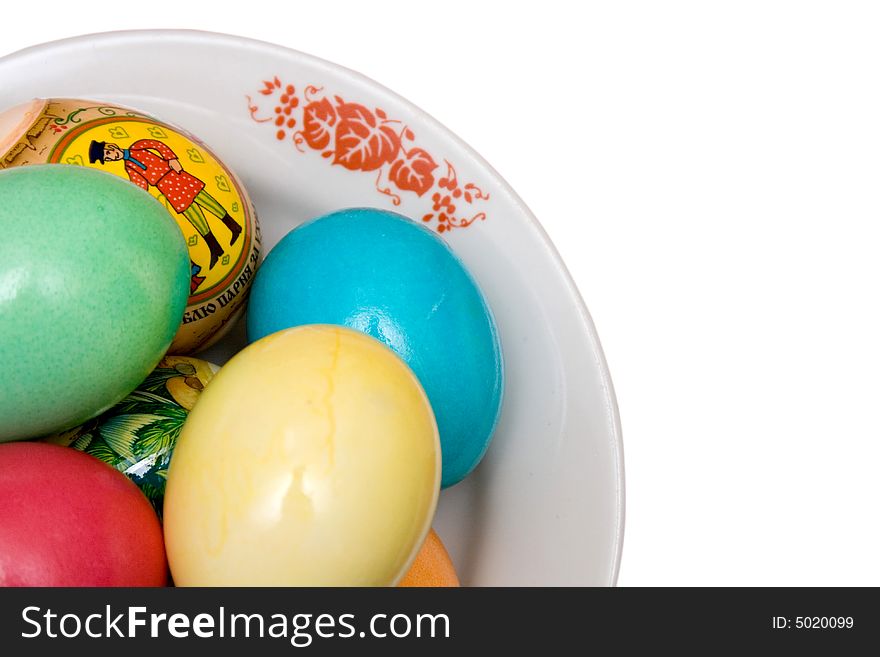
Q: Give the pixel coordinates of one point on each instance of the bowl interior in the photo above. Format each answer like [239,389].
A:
[546,505]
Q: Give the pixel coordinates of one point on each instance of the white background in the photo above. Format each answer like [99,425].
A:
[710,173]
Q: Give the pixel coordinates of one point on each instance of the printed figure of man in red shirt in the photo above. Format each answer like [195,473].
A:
[149,162]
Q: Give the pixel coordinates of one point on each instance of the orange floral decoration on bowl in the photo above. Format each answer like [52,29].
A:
[357,138]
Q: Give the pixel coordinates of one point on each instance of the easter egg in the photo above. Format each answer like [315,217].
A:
[432,566]
[393,279]
[66,519]
[205,198]
[93,283]
[312,459]
[137,436]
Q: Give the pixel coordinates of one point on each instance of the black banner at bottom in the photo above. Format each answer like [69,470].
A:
[430,621]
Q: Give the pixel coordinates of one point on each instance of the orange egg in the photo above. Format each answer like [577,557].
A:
[432,566]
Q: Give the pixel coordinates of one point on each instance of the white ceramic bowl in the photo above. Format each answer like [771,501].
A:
[546,506]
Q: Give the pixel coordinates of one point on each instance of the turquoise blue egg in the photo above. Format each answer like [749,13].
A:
[380,273]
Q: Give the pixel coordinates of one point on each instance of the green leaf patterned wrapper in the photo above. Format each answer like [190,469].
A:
[137,436]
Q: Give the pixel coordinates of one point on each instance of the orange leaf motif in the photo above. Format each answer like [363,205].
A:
[414,171]
[362,144]
[319,117]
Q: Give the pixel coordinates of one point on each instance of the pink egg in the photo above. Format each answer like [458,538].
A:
[67,519]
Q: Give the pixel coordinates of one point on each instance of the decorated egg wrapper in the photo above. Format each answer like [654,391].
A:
[204,196]
[137,436]
[93,283]
[380,273]
[312,459]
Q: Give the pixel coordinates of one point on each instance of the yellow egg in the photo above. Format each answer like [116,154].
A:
[312,459]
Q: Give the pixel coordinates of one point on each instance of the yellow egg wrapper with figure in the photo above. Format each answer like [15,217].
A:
[207,200]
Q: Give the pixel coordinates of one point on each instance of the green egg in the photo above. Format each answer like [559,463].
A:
[94,278]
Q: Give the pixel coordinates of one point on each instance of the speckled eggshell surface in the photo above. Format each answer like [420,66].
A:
[380,273]
[433,567]
[94,279]
[205,198]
